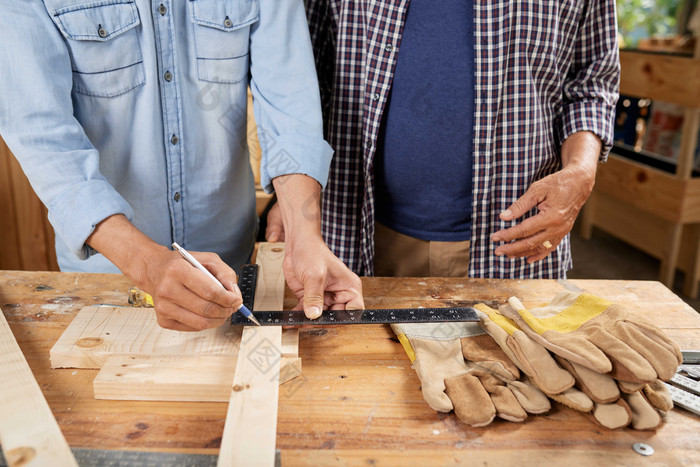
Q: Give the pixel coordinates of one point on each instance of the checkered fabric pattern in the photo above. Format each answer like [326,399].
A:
[543,71]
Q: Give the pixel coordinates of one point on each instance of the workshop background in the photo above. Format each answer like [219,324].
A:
[642,221]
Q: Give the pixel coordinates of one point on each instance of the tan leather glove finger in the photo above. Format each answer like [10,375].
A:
[532,359]
[479,397]
[600,388]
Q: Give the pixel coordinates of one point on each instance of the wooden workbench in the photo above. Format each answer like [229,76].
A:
[358,401]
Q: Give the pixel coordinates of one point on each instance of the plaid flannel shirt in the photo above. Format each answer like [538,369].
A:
[543,71]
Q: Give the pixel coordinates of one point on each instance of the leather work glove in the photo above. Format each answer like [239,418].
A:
[532,359]
[594,394]
[641,410]
[552,374]
[592,332]
[462,369]
[648,404]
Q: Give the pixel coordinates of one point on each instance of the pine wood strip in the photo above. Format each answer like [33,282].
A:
[29,433]
[250,431]
[274,280]
[193,378]
[290,342]
[98,332]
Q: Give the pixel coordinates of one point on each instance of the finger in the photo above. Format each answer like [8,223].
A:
[194,303]
[539,257]
[526,247]
[222,271]
[274,233]
[314,285]
[522,205]
[356,303]
[207,289]
[350,299]
[271,236]
[526,228]
[173,325]
[275,229]
[186,318]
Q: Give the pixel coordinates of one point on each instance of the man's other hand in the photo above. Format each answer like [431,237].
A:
[558,198]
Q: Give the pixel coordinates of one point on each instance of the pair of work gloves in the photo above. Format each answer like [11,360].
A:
[580,350]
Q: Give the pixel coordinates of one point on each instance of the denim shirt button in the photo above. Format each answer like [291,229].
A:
[177,196]
[162,9]
[101,32]
[228,23]
[168,76]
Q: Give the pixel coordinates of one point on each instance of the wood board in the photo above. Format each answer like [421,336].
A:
[250,431]
[99,332]
[29,433]
[170,378]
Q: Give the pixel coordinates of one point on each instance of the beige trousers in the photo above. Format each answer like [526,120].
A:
[398,255]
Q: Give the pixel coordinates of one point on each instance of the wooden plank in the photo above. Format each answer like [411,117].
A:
[273,280]
[689,142]
[29,433]
[290,342]
[647,232]
[615,456]
[9,239]
[692,275]
[262,199]
[194,378]
[34,245]
[587,217]
[650,190]
[98,332]
[269,291]
[250,430]
[50,235]
[663,77]
[254,151]
[166,378]
[669,261]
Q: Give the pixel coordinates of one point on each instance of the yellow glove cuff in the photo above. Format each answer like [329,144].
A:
[564,314]
[407,347]
[507,324]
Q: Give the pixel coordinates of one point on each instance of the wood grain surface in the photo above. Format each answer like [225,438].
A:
[358,402]
[97,333]
[29,433]
[249,437]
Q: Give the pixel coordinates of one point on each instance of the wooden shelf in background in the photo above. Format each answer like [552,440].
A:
[27,238]
[653,210]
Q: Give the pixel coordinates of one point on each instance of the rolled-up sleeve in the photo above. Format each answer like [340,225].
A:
[38,125]
[591,88]
[286,96]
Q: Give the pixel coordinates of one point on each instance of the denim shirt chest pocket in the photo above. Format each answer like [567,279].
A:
[103,42]
[222,38]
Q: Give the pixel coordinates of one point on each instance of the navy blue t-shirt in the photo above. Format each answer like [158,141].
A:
[423,166]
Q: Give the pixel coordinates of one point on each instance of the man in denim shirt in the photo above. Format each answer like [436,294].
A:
[129,119]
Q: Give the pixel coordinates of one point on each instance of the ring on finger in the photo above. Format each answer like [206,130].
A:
[547,244]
